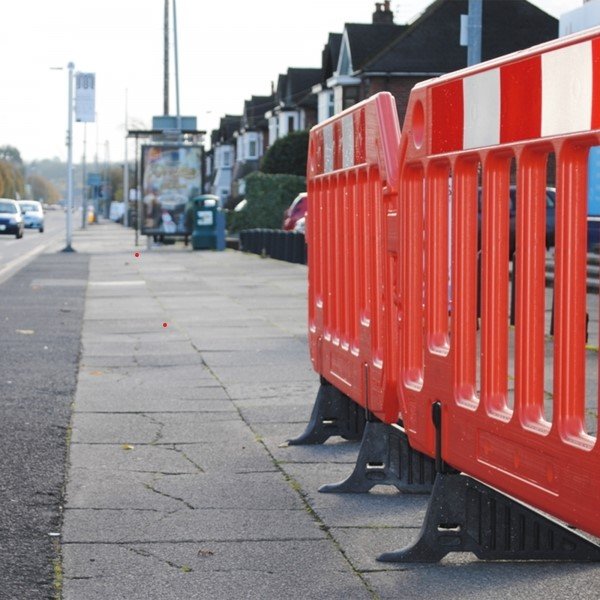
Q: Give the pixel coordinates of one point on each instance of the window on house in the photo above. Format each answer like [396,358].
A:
[330,105]
[291,124]
[226,162]
[252,149]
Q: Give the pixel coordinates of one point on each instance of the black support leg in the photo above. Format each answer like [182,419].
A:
[386,458]
[465,515]
[333,414]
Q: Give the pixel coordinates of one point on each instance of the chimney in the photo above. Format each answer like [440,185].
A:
[382,13]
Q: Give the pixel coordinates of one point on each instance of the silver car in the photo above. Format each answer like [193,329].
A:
[33,214]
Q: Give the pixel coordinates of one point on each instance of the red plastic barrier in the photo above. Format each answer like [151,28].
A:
[483,128]
[352,197]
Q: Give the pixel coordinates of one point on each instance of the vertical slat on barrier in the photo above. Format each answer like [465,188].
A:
[378,274]
[354,259]
[412,284]
[436,262]
[346,259]
[464,279]
[363,245]
[570,300]
[530,261]
[325,238]
[494,286]
[337,240]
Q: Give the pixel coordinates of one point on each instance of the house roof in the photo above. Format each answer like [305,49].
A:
[367,39]
[227,126]
[431,44]
[330,55]
[255,109]
[299,82]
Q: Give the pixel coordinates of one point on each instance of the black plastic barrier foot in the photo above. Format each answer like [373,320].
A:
[386,458]
[333,414]
[465,515]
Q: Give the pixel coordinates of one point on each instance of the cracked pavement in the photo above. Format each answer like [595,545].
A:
[179,483]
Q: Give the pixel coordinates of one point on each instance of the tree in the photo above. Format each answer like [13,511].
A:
[287,155]
[42,189]
[11,155]
[12,185]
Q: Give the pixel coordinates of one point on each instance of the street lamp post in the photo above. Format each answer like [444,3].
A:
[69,247]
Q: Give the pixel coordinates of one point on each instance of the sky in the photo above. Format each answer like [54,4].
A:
[228,51]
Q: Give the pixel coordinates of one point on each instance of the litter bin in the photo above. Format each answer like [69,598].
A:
[206,220]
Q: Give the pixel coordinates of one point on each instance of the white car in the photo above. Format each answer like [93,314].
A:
[33,214]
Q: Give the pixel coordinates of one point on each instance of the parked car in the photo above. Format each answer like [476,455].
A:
[296,210]
[11,218]
[300,225]
[33,214]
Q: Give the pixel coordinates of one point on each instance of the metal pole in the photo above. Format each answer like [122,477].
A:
[138,212]
[68,247]
[176,67]
[166,61]
[126,174]
[84,198]
[474,28]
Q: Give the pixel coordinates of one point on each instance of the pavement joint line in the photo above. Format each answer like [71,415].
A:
[196,509]
[275,540]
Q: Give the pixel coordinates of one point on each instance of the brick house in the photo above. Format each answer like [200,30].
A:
[427,47]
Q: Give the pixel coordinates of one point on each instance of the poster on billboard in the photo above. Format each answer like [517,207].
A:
[171,175]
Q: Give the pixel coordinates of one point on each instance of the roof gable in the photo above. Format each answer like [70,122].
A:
[361,41]
[431,44]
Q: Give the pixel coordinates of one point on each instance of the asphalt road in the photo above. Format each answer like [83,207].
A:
[14,253]
[41,312]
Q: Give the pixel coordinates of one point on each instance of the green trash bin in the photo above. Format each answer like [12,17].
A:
[206,221]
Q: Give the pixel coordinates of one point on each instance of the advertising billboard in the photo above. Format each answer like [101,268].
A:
[171,175]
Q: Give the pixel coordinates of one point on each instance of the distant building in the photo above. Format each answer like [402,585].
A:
[223,156]
[329,61]
[295,105]
[251,141]
[581,18]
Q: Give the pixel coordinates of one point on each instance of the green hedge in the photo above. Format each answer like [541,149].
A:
[287,155]
[267,196]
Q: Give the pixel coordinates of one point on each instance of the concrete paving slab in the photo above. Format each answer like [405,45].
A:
[224,490]
[127,526]
[165,428]
[230,456]
[274,413]
[91,490]
[175,581]
[119,458]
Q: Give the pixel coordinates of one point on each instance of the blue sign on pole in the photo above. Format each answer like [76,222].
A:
[594,182]
[94,179]
[594,199]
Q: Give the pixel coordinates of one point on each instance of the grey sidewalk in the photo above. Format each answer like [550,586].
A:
[179,484]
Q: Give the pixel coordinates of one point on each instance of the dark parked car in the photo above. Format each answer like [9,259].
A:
[550,217]
[11,218]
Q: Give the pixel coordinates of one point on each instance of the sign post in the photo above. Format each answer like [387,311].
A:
[68,247]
